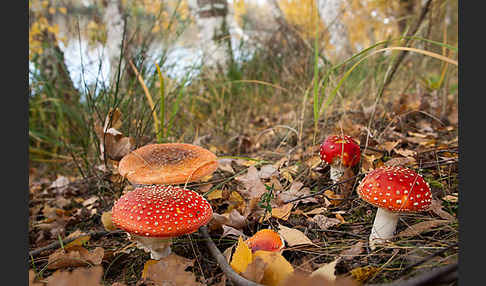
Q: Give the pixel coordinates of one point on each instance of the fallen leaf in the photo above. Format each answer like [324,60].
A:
[77,242]
[282,212]
[107,222]
[451,198]
[228,230]
[334,199]
[267,171]
[277,268]
[253,186]
[420,227]
[296,190]
[327,270]
[214,195]
[78,277]
[353,251]
[255,270]
[325,222]
[318,210]
[361,274]
[32,281]
[437,208]
[75,256]
[303,279]
[406,153]
[400,161]
[390,145]
[170,270]
[60,182]
[225,165]
[241,257]
[293,236]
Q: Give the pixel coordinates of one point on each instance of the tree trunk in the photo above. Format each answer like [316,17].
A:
[330,12]
[211,20]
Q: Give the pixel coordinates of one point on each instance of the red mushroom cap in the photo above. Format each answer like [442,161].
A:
[161,211]
[334,146]
[265,239]
[396,189]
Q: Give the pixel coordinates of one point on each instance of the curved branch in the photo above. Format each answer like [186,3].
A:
[223,264]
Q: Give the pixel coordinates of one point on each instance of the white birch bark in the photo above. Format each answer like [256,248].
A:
[113,20]
[330,12]
[210,17]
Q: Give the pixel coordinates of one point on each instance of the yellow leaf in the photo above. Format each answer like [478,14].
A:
[77,242]
[146,266]
[277,267]
[361,274]
[107,222]
[63,10]
[216,194]
[282,212]
[242,256]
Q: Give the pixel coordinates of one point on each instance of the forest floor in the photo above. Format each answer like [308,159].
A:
[275,164]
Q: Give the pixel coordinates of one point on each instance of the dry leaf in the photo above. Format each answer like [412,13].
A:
[214,195]
[406,153]
[318,210]
[437,208]
[400,161]
[225,165]
[241,257]
[228,230]
[303,279]
[361,274]
[353,251]
[267,171]
[334,199]
[253,187]
[296,191]
[451,198]
[327,270]
[420,227]
[170,270]
[77,242]
[282,212]
[325,222]
[78,277]
[277,267]
[107,222]
[390,145]
[293,236]
[32,278]
[255,270]
[76,256]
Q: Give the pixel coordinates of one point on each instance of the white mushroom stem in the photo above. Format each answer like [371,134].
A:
[384,227]
[159,247]
[337,171]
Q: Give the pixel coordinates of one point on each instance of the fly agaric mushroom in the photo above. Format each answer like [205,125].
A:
[265,239]
[393,190]
[170,163]
[153,215]
[339,152]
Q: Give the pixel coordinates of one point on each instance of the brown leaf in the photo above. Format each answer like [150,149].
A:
[293,236]
[171,271]
[325,222]
[282,212]
[253,187]
[32,279]
[116,145]
[75,256]
[390,145]
[420,227]
[437,208]
[255,270]
[353,251]
[294,192]
[304,279]
[318,210]
[225,165]
[400,161]
[228,230]
[78,277]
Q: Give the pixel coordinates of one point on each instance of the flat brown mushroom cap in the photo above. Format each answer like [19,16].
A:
[170,163]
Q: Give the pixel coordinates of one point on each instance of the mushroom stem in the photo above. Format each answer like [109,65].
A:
[337,171]
[159,247]
[383,227]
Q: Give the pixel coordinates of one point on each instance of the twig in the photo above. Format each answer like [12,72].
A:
[57,244]
[323,190]
[223,264]
[427,278]
[425,259]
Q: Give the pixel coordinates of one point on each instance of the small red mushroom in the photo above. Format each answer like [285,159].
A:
[393,190]
[265,239]
[152,215]
[339,152]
